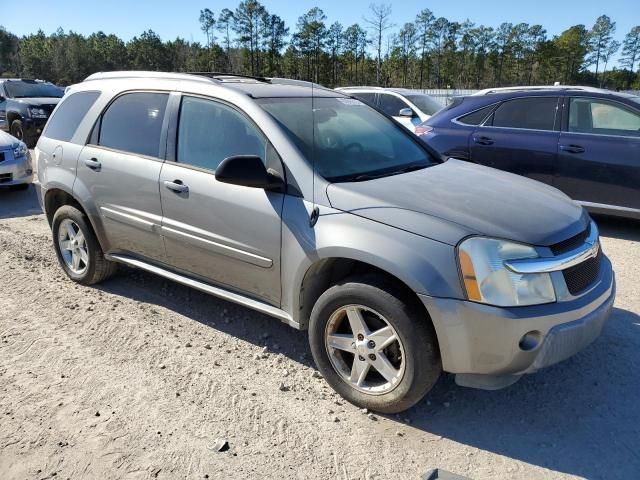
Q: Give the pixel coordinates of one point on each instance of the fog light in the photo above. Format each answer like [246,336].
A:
[530,341]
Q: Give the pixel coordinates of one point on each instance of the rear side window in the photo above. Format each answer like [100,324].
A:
[536,113]
[390,104]
[64,122]
[587,115]
[476,118]
[133,123]
[366,97]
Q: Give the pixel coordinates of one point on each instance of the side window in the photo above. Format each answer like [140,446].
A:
[390,104]
[366,97]
[476,118]
[537,113]
[133,123]
[589,115]
[209,132]
[64,122]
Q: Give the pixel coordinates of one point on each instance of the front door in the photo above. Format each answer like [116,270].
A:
[521,137]
[119,170]
[599,153]
[227,234]
[391,105]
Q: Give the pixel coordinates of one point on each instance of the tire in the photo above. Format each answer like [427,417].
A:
[92,267]
[16,130]
[414,354]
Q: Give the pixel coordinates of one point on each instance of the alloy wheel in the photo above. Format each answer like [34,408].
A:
[73,246]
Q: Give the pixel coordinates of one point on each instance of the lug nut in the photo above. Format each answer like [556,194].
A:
[361,358]
[360,337]
[371,344]
[372,356]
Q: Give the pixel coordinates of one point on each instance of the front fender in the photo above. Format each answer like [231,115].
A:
[426,266]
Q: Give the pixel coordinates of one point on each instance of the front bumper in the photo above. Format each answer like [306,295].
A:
[482,340]
[15,171]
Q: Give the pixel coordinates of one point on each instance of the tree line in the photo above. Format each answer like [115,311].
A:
[430,52]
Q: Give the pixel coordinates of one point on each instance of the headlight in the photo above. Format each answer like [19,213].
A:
[20,151]
[487,280]
[37,112]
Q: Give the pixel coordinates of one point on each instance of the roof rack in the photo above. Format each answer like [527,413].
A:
[222,76]
[144,74]
[489,91]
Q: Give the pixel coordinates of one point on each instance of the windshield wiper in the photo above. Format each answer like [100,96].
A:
[407,169]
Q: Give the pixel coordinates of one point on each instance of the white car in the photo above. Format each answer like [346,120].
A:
[15,162]
[407,107]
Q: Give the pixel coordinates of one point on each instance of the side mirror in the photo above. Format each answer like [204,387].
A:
[248,171]
[405,112]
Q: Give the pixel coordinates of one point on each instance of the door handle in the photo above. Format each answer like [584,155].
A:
[177,186]
[483,140]
[93,163]
[572,148]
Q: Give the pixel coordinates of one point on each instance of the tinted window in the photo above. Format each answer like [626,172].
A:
[536,113]
[31,88]
[64,122]
[597,116]
[209,132]
[476,118]
[391,105]
[366,97]
[425,103]
[349,141]
[133,123]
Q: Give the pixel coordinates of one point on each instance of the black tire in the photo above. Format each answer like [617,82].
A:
[98,268]
[16,129]
[414,329]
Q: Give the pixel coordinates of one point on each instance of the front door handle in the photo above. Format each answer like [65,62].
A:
[177,186]
[572,148]
[483,140]
[93,163]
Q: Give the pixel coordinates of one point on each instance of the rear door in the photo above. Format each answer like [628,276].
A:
[120,168]
[599,153]
[228,234]
[520,136]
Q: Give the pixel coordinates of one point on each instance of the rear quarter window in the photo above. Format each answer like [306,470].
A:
[476,118]
[65,120]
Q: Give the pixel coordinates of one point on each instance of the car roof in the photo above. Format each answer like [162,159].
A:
[400,91]
[253,86]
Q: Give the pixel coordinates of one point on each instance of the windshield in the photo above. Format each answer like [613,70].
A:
[425,103]
[29,89]
[353,142]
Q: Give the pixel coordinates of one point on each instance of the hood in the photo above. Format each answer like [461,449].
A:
[39,101]
[455,199]
[7,141]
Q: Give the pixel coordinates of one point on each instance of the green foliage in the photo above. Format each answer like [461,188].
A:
[429,52]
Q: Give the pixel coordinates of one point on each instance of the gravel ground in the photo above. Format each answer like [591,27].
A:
[140,377]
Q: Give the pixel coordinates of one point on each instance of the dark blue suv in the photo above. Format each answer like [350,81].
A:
[583,141]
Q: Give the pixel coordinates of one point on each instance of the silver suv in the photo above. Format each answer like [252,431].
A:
[310,206]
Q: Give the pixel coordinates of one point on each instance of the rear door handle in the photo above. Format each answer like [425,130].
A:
[93,163]
[572,148]
[483,140]
[176,186]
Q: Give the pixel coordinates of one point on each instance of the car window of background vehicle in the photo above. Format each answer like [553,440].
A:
[587,115]
[68,116]
[26,88]
[425,103]
[209,132]
[535,113]
[390,104]
[133,123]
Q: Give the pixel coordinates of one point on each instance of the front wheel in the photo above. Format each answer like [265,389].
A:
[374,345]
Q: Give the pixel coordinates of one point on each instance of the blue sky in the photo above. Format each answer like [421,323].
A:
[180,18]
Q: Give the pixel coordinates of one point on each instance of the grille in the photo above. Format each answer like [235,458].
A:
[571,243]
[1,156]
[6,177]
[582,276]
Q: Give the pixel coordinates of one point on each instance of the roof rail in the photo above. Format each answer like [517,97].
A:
[489,91]
[226,75]
[363,86]
[143,74]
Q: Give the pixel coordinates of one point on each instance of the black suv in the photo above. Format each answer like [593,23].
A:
[25,106]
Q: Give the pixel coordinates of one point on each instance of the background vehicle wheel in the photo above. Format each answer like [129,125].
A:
[77,248]
[373,344]
[16,129]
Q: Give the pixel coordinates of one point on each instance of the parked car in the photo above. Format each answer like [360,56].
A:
[25,106]
[333,219]
[583,141]
[15,163]
[407,107]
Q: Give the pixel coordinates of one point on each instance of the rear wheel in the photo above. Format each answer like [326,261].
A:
[374,345]
[77,248]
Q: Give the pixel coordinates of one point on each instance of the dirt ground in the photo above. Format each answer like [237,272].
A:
[139,377]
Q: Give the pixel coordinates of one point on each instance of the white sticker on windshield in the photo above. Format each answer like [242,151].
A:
[350,101]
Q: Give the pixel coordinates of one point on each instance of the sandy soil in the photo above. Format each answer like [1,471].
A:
[139,377]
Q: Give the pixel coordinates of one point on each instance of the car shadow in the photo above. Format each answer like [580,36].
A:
[618,227]
[579,417]
[18,203]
